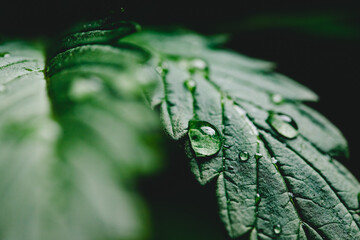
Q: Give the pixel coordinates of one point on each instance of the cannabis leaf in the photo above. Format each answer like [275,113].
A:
[69,161]
[275,167]
[70,155]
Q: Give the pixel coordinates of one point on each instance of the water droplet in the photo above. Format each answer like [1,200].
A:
[205,139]
[291,194]
[84,87]
[258,156]
[162,69]
[226,146]
[4,54]
[274,160]
[277,99]
[257,198]
[283,124]
[243,156]
[2,88]
[197,64]
[277,229]
[190,84]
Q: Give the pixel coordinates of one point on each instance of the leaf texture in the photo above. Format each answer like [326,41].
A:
[289,188]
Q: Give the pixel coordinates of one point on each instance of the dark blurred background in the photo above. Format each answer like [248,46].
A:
[317,44]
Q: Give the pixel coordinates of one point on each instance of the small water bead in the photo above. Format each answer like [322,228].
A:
[258,156]
[28,69]
[4,54]
[159,70]
[274,160]
[277,99]
[205,139]
[190,84]
[257,198]
[162,69]
[277,229]
[243,156]
[283,125]
[291,194]
[197,64]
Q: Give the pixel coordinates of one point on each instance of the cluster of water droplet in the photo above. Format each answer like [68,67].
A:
[283,124]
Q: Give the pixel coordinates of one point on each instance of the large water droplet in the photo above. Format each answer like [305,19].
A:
[277,229]
[243,156]
[205,139]
[190,84]
[283,125]
[4,54]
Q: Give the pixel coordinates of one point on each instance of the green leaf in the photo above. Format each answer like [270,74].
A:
[287,183]
[70,157]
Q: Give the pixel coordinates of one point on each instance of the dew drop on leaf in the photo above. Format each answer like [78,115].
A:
[283,125]
[277,229]
[274,160]
[243,156]
[226,146]
[190,84]
[196,65]
[257,198]
[205,139]
[162,69]
[277,99]
[4,54]
[28,69]
[258,156]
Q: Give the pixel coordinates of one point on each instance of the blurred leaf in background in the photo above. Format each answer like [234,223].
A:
[69,163]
